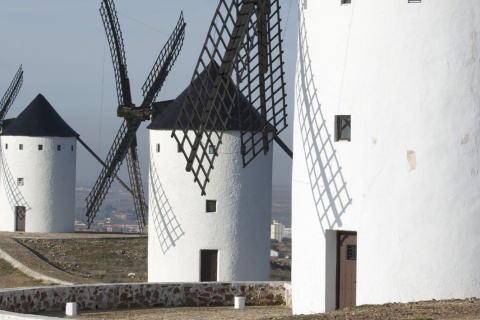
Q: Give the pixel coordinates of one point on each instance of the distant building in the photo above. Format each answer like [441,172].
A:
[38,163]
[277,230]
[386,144]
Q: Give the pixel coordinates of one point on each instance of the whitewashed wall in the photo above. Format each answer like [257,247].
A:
[179,226]
[48,192]
[408,74]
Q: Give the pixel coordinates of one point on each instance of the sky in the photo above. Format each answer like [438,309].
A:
[62,47]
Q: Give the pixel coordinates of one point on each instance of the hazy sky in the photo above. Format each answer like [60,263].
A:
[63,49]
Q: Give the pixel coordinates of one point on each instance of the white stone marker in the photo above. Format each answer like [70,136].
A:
[71,309]
[239,302]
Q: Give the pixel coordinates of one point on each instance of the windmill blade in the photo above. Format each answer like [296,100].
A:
[117,51]
[115,157]
[11,93]
[262,83]
[164,63]
[238,43]
[133,164]
[125,141]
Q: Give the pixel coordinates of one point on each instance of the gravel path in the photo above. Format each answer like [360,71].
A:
[214,313]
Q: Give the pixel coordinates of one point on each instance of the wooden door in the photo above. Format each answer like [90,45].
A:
[208,265]
[20,217]
[346,269]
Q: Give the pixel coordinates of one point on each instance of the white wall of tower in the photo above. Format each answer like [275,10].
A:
[48,190]
[407,182]
[179,226]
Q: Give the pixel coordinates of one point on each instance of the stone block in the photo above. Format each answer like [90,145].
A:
[239,302]
[71,309]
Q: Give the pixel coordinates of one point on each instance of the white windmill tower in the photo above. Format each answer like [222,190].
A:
[228,116]
[386,140]
[38,159]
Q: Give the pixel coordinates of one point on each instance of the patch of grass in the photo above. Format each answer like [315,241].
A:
[6,268]
[280,275]
[108,260]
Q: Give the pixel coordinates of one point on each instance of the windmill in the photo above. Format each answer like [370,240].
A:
[11,94]
[243,46]
[125,144]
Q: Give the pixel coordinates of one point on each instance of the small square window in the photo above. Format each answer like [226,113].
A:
[40,147]
[211,149]
[20,182]
[158,147]
[343,2]
[6,145]
[59,147]
[20,147]
[211,205]
[343,128]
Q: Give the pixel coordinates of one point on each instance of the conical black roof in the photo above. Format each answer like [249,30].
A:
[167,115]
[39,119]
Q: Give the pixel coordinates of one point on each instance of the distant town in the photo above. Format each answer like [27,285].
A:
[117,214]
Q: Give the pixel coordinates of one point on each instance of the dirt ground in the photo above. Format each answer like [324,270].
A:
[467,309]
[12,278]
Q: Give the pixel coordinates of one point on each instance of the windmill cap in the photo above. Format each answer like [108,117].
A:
[167,112]
[39,119]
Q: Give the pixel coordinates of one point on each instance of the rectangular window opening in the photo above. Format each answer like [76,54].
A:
[20,182]
[40,147]
[59,147]
[345,2]
[158,147]
[343,127]
[414,1]
[72,147]
[6,145]
[211,205]
[20,147]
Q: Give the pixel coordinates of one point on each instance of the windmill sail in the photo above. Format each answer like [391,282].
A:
[11,93]
[124,144]
[244,41]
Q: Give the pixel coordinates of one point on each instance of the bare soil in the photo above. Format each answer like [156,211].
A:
[467,309]
[105,260]
[110,258]
[12,278]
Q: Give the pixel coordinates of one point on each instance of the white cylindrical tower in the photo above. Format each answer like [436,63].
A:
[223,236]
[37,191]
[386,142]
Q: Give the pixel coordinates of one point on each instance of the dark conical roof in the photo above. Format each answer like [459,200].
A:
[169,114]
[39,119]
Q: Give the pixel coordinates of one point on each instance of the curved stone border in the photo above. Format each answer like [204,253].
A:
[147,295]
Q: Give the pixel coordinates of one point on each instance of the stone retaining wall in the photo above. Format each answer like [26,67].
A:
[137,295]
